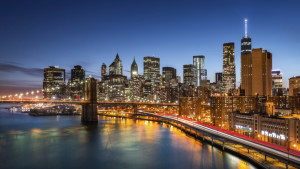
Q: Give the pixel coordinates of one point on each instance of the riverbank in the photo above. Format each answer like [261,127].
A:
[53,114]
[251,156]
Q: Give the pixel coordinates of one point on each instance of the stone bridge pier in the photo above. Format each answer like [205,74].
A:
[89,109]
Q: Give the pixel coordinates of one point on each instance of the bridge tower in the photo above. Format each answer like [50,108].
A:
[89,109]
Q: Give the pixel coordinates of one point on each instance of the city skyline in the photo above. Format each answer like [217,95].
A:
[90,56]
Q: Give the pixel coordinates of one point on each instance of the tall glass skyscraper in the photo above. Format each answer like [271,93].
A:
[229,77]
[246,63]
[152,72]
[201,72]
[189,74]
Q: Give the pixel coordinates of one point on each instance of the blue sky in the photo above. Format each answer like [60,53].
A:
[37,34]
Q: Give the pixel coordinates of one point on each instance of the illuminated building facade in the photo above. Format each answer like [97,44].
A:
[294,86]
[189,74]
[200,71]
[276,83]
[282,131]
[168,73]
[246,64]
[54,83]
[134,69]
[152,73]
[195,108]
[261,72]
[116,67]
[221,106]
[229,77]
[219,76]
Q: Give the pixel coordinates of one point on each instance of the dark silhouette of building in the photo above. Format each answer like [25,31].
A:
[103,71]
[54,83]
[76,84]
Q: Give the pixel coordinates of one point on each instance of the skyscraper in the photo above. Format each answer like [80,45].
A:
[116,67]
[134,69]
[294,86]
[276,82]
[189,74]
[103,71]
[77,85]
[219,77]
[261,72]
[201,72]
[246,63]
[54,83]
[229,78]
[168,74]
[135,83]
[152,72]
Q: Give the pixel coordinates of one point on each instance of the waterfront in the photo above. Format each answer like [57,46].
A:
[63,142]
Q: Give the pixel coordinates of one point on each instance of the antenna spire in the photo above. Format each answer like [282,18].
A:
[246,27]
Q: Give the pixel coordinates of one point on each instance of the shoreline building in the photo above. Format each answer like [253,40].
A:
[229,77]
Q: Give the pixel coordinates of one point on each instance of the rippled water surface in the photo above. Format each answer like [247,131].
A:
[58,142]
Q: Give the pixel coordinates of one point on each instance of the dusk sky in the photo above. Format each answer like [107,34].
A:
[38,34]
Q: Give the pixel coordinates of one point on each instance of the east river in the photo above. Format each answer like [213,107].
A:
[60,142]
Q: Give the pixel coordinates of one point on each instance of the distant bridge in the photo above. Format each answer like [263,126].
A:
[79,102]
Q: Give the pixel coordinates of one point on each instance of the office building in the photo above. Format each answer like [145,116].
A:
[116,67]
[281,131]
[261,72]
[200,71]
[276,83]
[294,86]
[229,77]
[219,76]
[134,69]
[54,83]
[221,106]
[76,84]
[168,73]
[152,73]
[189,74]
[103,71]
[246,64]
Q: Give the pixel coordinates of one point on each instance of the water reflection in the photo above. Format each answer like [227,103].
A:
[51,142]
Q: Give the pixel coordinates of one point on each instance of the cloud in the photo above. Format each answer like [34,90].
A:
[5,67]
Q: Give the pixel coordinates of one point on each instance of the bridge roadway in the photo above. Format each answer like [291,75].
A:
[291,157]
[86,102]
